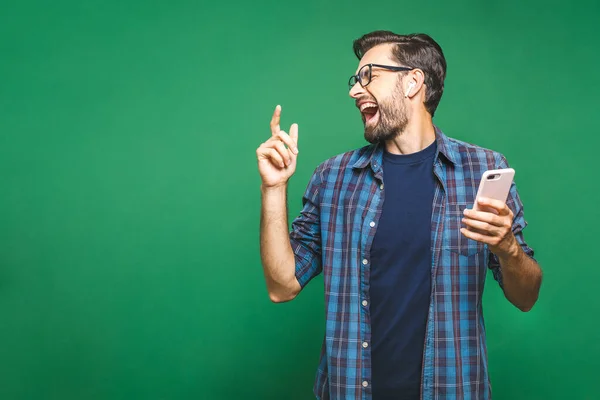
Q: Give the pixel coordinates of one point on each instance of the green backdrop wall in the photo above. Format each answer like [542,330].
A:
[129,205]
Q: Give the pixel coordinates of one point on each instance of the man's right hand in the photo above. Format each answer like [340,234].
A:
[276,163]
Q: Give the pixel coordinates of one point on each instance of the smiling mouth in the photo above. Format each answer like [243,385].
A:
[370,113]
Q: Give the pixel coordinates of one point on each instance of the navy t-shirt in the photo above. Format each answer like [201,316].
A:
[400,283]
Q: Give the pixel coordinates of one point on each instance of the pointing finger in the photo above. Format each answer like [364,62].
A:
[275,120]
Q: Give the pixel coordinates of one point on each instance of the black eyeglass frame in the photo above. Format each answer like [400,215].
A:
[356,78]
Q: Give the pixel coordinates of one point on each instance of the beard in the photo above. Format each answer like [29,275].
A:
[392,119]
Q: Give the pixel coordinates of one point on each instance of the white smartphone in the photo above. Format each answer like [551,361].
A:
[495,184]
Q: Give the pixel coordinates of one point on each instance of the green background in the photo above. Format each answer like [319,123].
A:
[129,206]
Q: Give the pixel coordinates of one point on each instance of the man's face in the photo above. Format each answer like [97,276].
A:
[381,102]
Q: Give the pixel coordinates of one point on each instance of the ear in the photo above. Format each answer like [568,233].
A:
[414,82]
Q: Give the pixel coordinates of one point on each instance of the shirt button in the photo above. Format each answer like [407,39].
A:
[365,345]
[381,186]
[372,224]
[364,303]
[365,262]
[365,383]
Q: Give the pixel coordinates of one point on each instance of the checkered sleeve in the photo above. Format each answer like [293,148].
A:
[514,203]
[305,235]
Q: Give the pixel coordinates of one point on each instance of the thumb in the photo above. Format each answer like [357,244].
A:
[294,133]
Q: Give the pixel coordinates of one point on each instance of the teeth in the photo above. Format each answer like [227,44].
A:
[367,105]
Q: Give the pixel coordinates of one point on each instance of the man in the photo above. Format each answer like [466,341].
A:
[392,228]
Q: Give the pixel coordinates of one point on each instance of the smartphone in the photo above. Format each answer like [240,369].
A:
[495,184]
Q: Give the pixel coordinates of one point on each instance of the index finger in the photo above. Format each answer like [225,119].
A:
[275,121]
[497,205]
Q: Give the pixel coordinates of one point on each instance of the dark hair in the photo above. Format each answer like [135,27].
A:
[416,50]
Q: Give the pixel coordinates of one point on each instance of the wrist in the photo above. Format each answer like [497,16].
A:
[274,189]
[513,252]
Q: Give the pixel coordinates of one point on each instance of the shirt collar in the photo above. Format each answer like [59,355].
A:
[374,153]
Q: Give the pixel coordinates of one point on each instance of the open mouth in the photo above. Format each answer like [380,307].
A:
[369,112]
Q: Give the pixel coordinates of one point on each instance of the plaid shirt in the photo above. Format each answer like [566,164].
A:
[333,234]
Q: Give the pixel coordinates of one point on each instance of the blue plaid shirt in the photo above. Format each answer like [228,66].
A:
[333,235]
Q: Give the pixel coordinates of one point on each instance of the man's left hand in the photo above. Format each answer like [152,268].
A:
[491,225]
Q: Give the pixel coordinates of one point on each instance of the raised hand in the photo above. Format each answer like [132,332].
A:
[277,156]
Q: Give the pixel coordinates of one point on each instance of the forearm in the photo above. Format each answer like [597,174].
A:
[521,277]
[275,249]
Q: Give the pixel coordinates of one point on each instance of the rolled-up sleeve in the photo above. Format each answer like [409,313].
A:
[519,223]
[305,236]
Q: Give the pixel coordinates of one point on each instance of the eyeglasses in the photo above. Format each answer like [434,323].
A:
[364,74]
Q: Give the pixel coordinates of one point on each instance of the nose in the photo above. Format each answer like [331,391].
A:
[356,91]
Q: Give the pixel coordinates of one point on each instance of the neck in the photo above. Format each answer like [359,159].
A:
[418,134]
